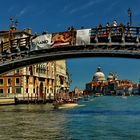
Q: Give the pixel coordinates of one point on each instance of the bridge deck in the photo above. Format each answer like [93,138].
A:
[104,42]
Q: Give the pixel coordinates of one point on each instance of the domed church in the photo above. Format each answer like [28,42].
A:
[112,76]
[111,86]
[99,76]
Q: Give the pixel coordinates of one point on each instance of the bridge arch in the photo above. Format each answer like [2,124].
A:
[44,56]
[120,41]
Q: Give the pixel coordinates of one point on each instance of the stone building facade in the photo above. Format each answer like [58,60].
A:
[42,79]
[110,85]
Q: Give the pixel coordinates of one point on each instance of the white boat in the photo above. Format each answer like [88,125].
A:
[65,104]
[124,97]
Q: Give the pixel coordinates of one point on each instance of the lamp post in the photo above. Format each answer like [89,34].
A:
[130,16]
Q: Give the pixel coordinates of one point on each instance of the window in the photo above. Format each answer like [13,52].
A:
[26,90]
[34,80]
[27,78]
[18,90]
[1,91]
[1,81]
[17,81]
[8,90]
[9,81]
[17,71]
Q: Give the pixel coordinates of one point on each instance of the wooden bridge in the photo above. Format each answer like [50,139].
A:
[117,41]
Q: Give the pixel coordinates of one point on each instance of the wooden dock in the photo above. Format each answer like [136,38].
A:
[30,99]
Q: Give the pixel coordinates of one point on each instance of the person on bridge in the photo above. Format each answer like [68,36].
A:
[114,26]
[128,29]
[121,29]
[100,30]
[107,28]
[114,23]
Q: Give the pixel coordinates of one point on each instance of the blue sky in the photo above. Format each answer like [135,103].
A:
[58,15]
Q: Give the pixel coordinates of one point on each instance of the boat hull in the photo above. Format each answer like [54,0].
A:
[65,105]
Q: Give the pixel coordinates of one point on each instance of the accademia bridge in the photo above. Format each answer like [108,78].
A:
[117,41]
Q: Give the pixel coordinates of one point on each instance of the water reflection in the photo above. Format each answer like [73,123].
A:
[31,122]
[99,118]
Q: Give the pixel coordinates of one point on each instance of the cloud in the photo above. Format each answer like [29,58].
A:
[136,12]
[85,6]
[23,11]
[11,9]
[111,7]
[88,15]
[59,25]
[66,8]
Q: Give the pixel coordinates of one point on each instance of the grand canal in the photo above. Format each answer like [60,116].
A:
[97,119]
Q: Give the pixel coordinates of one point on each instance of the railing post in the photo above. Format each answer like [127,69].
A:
[123,37]
[137,39]
[109,37]
[96,38]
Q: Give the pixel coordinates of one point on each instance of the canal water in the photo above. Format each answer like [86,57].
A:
[100,118]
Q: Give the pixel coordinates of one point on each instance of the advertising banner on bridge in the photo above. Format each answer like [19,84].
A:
[63,39]
[83,37]
[42,42]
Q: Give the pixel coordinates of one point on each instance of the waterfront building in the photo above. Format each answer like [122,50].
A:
[111,86]
[97,83]
[76,93]
[62,84]
[44,79]
[99,76]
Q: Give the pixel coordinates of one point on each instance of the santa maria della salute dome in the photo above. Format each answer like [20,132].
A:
[110,85]
[99,76]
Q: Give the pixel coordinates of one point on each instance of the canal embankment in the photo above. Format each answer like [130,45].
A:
[28,99]
[7,100]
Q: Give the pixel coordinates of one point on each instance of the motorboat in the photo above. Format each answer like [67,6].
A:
[65,104]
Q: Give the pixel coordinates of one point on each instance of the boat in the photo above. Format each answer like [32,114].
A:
[97,94]
[124,96]
[64,104]
[86,97]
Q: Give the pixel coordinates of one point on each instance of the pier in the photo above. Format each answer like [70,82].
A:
[33,99]
[29,99]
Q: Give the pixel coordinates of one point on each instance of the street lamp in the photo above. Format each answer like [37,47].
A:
[130,16]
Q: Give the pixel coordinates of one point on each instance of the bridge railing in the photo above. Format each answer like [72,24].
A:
[14,45]
[119,34]
[115,34]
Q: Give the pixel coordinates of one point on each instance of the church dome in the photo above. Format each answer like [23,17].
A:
[110,77]
[99,75]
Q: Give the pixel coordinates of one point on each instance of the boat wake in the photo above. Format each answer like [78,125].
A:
[81,105]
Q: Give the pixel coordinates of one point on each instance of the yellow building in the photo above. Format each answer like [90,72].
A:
[44,79]
[61,76]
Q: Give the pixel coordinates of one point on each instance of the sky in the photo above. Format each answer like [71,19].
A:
[57,15]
